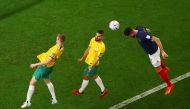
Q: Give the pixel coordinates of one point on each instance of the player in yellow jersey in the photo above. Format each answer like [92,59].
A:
[44,69]
[92,57]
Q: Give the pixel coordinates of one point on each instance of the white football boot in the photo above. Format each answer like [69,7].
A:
[54,101]
[26,104]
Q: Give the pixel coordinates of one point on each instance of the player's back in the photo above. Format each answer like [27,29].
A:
[145,40]
[54,52]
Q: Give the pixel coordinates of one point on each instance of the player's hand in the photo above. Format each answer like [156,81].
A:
[89,68]
[164,55]
[33,66]
[79,60]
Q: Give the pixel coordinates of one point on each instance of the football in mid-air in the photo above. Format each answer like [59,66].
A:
[114,25]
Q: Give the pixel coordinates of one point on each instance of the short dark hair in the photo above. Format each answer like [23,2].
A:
[128,31]
[62,37]
[100,31]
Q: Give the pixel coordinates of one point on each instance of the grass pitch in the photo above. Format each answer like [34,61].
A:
[29,27]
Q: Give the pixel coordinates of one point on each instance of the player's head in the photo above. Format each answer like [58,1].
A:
[99,35]
[60,38]
[130,32]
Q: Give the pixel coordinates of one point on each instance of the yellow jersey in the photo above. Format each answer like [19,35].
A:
[54,52]
[97,49]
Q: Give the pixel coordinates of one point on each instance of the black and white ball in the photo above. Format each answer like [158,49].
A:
[114,25]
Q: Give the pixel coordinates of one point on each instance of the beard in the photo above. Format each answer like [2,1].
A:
[96,39]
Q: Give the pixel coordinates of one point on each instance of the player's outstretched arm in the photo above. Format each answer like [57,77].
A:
[84,55]
[41,63]
[158,42]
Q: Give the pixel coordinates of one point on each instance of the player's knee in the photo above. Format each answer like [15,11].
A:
[95,76]
[86,77]
[158,69]
[33,81]
[47,81]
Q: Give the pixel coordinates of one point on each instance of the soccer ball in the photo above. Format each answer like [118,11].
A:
[114,25]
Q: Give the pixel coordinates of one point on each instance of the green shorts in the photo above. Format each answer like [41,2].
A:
[92,72]
[42,72]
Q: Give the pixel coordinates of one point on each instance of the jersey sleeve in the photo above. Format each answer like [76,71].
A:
[91,42]
[148,37]
[145,36]
[60,52]
[140,28]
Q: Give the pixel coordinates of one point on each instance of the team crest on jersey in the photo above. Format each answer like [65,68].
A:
[96,49]
[52,55]
[148,37]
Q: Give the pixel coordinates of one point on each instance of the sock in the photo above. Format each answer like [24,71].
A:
[100,83]
[30,93]
[164,76]
[51,90]
[162,65]
[84,85]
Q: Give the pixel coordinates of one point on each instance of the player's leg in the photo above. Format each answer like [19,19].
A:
[36,76]
[51,90]
[98,80]
[161,69]
[83,85]
[163,74]
[30,92]
[84,82]
[164,66]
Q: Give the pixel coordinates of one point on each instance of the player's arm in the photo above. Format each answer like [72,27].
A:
[94,63]
[158,42]
[84,55]
[41,63]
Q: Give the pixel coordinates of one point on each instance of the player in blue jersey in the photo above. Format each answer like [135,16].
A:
[153,47]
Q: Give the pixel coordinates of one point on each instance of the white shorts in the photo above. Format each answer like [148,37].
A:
[155,58]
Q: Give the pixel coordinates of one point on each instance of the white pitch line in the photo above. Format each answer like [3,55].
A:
[146,93]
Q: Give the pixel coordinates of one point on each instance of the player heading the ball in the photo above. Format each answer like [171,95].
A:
[153,47]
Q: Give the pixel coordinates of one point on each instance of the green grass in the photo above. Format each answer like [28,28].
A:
[29,27]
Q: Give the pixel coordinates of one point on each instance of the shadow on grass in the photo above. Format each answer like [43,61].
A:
[18,7]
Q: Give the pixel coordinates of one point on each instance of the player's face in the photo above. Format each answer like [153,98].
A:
[58,39]
[99,37]
[133,34]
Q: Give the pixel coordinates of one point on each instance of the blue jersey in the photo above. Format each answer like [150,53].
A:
[145,40]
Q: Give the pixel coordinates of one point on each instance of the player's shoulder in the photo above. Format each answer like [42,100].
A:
[142,35]
[92,39]
[140,28]
[55,48]
[103,45]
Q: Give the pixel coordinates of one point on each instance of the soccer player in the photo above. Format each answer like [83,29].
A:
[44,69]
[92,56]
[153,47]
